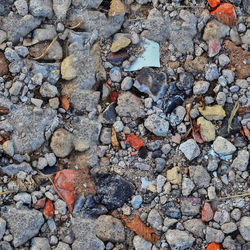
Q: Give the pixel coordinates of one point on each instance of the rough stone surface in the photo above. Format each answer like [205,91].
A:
[85,235]
[200,176]
[245,228]
[223,147]
[44,122]
[109,228]
[179,239]
[241,161]
[40,243]
[195,226]
[207,129]
[190,149]
[62,143]
[157,125]
[130,105]
[141,244]
[24,224]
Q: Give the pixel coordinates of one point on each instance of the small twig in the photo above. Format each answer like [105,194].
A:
[228,197]
[49,177]
[185,6]
[8,192]
[136,19]
[46,49]
[76,26]
[233,113]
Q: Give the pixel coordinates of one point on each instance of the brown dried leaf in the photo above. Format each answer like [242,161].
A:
[243,110]
[135,224]
[246,132]
[65,102]
[4,110]
[116,8]
[114,140]
[196,134]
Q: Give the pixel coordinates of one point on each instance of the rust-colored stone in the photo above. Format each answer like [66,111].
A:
[3,65]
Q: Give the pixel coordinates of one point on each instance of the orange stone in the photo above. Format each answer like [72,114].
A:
[134,141]
[213,246]
[213,3]
[49,209]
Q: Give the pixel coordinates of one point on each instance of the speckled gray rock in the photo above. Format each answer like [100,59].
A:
[246,6]
[62,143]
[200,87]
[141,244]
[195,226]
[241,161]
[5,7]
[34,134]
[211,72]
[245,227]
[13,169]
[85,235]
[130,105]
[229,227]
[177,115]
[155,219]
[214,235]
[61,7]
[187,186]
[127,83]
[190,149]
[87,4]
[178,239]
[109,228]
[62,246]
[2,227]
[215,30]
[223,147]
[17,26]
[24,224]
[157,125]
[48,90]
[22,7]
[41,8]
[39,243]
[96,20]
[84,101]
[221,216]
[200,176]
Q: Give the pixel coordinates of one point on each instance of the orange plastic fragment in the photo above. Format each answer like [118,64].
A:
[64,186]
[226,13]
[65,102]
[49,209]
[134,141]
[135,224]
[213,3]
[207,213]
[213,246]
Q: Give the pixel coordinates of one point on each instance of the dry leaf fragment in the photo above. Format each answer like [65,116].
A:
[135,224]
[196,134]
[114,140]
[116,8]
[65,102]
[243,110]
[64,185]
[4,110]
[246,132]
[188,109]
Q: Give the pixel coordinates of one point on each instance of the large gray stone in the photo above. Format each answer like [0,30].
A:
[61,7]
[157,125]
[30,127]
[91,4]
[39,243]
[85,235]
[24,224]
[200,176]
[95,20]
[190,149]
[109,228]
[5,7]
[241,161]
[245,227]
[130,105]
[41,8]
[195,226]
[178,239]
[17,27]
[13,169]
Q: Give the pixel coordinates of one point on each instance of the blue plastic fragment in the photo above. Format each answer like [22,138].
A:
[150,57]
